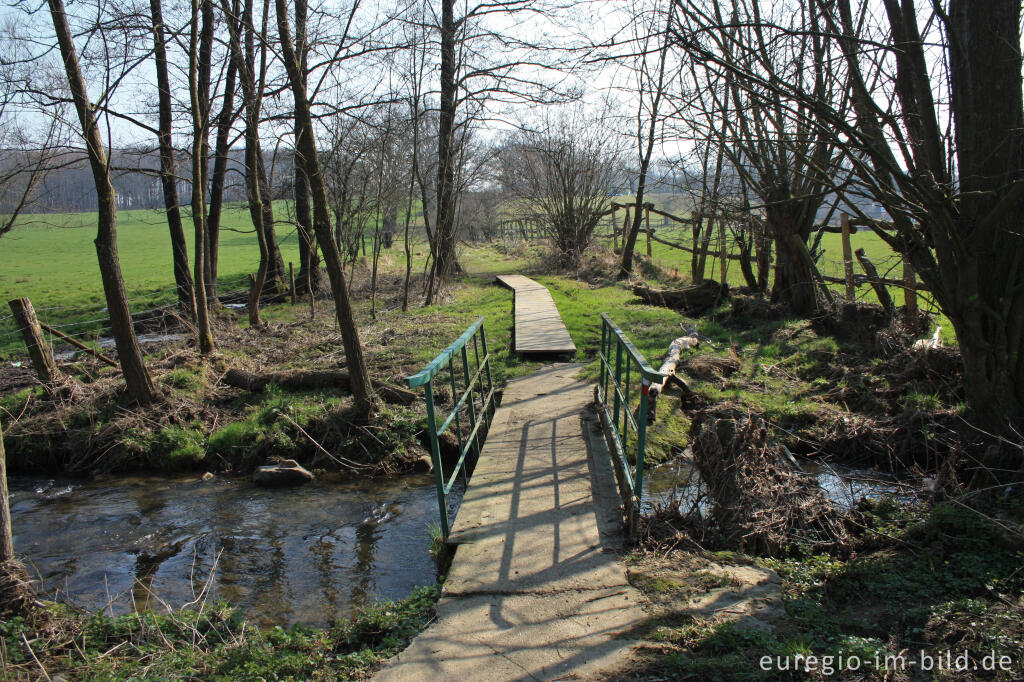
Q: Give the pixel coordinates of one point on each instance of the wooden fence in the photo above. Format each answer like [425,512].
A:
[723,249]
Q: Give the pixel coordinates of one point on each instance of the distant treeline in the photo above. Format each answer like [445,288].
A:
[67,184]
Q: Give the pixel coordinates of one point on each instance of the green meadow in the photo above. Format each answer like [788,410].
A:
[677,262]
[51,260]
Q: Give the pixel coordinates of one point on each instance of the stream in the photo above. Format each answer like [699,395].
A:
[299,555]
[845,486]
[307,555]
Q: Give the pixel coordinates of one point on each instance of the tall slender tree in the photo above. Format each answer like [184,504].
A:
[168,171]
[650,91]
[136,376]
[200,45]
[225,120]
[362,389]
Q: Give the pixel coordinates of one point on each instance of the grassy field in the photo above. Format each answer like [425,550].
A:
[51,259]
[676,261]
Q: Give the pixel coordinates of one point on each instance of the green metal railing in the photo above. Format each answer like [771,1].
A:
[623,371]
[472,387]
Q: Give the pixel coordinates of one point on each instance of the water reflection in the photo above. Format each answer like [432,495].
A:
[306,554]
[678,483]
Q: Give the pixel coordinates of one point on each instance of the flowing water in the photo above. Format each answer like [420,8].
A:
[296,555]
[677,482]
[107,342]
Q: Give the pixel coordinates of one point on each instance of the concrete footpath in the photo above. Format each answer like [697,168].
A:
[535,591]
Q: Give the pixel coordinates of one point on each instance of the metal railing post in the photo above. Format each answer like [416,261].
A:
[631,477]
[472,400]
[435,456]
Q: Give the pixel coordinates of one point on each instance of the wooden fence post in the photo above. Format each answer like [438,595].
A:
[844,222]
[312,297]
[909,290]
[615,231]
[647,220]
[6,539]
[625,228]
[724,250]
[38,349]
[291,279]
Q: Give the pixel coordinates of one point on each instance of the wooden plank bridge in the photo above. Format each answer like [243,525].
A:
[539,328]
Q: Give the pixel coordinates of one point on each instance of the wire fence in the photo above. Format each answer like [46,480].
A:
[89,323]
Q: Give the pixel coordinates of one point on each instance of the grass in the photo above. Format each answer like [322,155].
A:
[921,578]
[212,643]
[51,259]
[928,580]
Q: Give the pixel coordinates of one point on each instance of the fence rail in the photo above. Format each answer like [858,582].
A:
[472,388]
[622,366]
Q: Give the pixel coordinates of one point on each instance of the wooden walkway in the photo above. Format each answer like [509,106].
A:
[539,327]
[535,591]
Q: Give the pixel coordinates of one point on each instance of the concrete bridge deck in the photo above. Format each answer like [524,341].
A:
[535,591]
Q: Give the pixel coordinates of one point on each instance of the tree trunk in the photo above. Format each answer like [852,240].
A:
[362,390]
[763,245]
[746,244]
[220,166]
[275,263]
[445,257]
[988,280]
[789,222]
[6,535]
[198,72]
[309,259]
[168,174]
[137,379]
[309,267]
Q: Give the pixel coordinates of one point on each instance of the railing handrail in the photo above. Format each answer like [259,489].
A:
[649,372]
[473,381]
[616,384]
[435,366]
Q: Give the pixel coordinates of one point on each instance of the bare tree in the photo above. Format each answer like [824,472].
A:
[954,200]
[950,176]
[567,170]
[362,390]
[225,120]
[309,267]
[168,173]
[139,384]
[481,60]
[199,48]
[650,84]
[784,154]
[244,59]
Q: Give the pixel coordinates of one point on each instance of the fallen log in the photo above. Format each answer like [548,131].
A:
[310,379]
[668,368]
[694,299]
